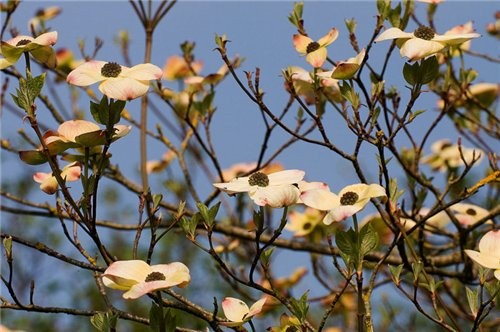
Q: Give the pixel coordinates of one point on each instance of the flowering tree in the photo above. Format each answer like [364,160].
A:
[187,243]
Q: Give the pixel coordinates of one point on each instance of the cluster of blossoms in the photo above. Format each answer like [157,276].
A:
[446,155]
[424,41]
[287,187]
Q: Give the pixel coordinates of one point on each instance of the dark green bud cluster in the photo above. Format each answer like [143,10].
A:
[424,32]
[349,198]
[313,46]
[111,69]
[155,276]
[23,42]
[258,179]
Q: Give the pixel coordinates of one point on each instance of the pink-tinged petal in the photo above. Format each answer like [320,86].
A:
[490,245]
[320,199]
[123,88]
[17,39]
[343,212]
[286,177]
[120,131]
[236,185]
[329,38]
[455,39]
[70,129]
[317,58]
[176,273]
[256,307]
[416,48]
[143,288]
[234,309]
[127,273]
[300,42]
[40,176]
[49,38]
[71,172]
[142,72]
[484,260]
[86,74]
[305,186]
[394,33]
[276,196]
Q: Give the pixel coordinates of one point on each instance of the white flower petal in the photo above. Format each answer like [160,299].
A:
[86,74]
[394,33]
[276,196]
[286,177]
[320,199]
[123,88]
[234,309]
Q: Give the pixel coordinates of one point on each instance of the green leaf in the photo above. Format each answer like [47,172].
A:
[369,239]
[100,111]
[300,307]
[104,321]
[7,244]
[395,16]
[472,299]
[189,225]
[413,115]
[396,273]
[155,317]
[35,85]
[429,70]
[347,242]
[410,73]
[417,269]
[157,198]
[265,257]
[33,157]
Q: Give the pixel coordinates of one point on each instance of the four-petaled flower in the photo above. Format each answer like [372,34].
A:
[40,48]
[423,42]
[349,201]
[138,278]
[276,190]
[48,182]
[315,51]
[117,82]
[488,255]
[345,70]
[303,223]
[446,155]
[237,311]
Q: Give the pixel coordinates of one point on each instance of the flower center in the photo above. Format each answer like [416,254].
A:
[307,226]
[445,146]
[258,179]
[471,212]
[424,32]
[155,276]
[313,46]
[23,42]
[349,198]
[111,69]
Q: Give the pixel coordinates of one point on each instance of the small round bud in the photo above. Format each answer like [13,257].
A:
[349,198]
[424,32]
[258,179]
[111,69]
[155,276]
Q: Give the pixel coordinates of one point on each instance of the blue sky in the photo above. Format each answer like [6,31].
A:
[259,32]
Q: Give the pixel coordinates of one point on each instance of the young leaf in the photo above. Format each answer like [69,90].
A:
[396,273]
[473,300]
[369,240]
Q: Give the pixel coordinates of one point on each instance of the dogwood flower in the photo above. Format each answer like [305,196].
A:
[116,81]
[40,48]
[469,214]
[423,42]
[446,155]
[42,16]
[276,189]
[176,68]
[349,201]
[315,51]
[237,311]
[138,278]
[488,255]
[48,182]
[303,223]
[303,84]
[346,69]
